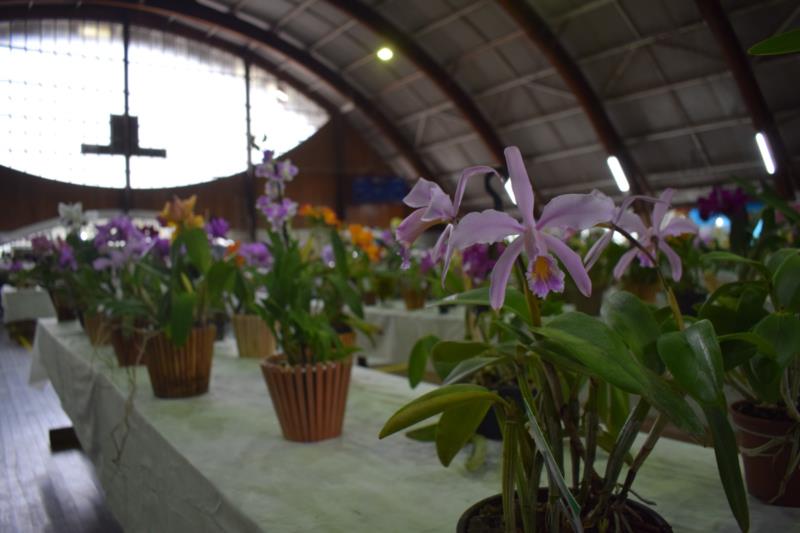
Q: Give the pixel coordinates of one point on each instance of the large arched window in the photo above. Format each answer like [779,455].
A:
[62,80]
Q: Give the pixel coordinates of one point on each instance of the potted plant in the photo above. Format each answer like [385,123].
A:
[253,337]
[308,382]
[627,348]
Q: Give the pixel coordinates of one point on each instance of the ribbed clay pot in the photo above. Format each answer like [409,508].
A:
[97,327]
[309,400]
[64,306]
[764,472]
[414,299]
[253,336]
[129,345]
[181,371]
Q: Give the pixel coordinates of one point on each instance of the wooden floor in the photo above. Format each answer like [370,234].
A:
[41,491]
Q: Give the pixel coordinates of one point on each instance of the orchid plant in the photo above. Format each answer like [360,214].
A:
[567,366]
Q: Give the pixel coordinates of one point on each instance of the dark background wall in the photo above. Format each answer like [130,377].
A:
[328,161]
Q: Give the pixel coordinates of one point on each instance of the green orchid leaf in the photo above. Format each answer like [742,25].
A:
[787,283]
[456,427]
[418,360]
[435,402]
[755,340]
[197,248]
[633,320]
[776,259]
[782,43]
[423,434]
[181,317]
[466,368]
[514,301]
[727,454]
[694,358]
[446,355]
[729,257]
[764,376]
[781,338]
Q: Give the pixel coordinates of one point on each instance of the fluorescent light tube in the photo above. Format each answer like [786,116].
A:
[510,191]
[618,173]
[766,154]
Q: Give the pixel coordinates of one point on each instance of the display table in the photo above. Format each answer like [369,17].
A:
[218,462]
[400,329]
[26,304]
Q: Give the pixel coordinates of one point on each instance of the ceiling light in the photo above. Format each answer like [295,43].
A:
[385,53]
[719,222]
[281,95]
[766,153]
[510,191]
[618,173]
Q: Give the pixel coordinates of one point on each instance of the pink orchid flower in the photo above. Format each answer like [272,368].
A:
[567,212]
[433,206]
[653,239]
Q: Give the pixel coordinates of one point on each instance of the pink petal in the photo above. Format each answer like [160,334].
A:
[440,207]
[462,183]
[501,273]
[576,211]
[485,227]
[673,258]
[521,183]
[679,226]
[597,250]
[420,194]
[661,208]
[572,262]
[444,248]
[624,262]
[632,223]
[412,227]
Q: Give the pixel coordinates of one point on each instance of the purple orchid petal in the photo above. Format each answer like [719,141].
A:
[420,194]
[485,227]
[501,273]
[466,174]
[572,262]
[673,258]
[596,250]
[661,207]
[412,227]
[544,276]
[632,223]
[576,211]
[440,207]
[624,262]
[521,184]
[678,226]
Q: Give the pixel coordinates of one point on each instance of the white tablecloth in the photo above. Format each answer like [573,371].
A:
[400,329]
[218,463]
[26,304]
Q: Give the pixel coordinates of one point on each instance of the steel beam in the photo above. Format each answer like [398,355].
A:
[753,98]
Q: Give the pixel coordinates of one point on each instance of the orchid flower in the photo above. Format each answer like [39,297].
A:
[433,206]
[567,212]
[653,239]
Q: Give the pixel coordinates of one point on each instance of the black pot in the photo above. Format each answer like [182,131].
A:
[489,427]
[444,309]
[647,520]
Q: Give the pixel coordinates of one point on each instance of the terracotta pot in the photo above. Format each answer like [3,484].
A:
[486,517]
[309,399]
[765,472]
[253,336]
[348,339]
[64,305]
[129,345]
[414,299]
[181,371]
[97,327]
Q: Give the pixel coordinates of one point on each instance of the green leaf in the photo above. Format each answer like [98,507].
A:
[456,426]
[466,368]
[514,302]
[787,283]
[181,317]
[435,402]
[694,358]
[446,355]
[418,360]
[754,339]
[197,248]
[727,454]
[219,277]
[728,257]
[776,259]
[781,334]
[782,43]
[633,320]
[423,434]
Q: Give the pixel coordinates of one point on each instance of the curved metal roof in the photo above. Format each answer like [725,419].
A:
[469,75]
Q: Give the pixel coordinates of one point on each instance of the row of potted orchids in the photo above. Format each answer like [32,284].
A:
[588,383]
